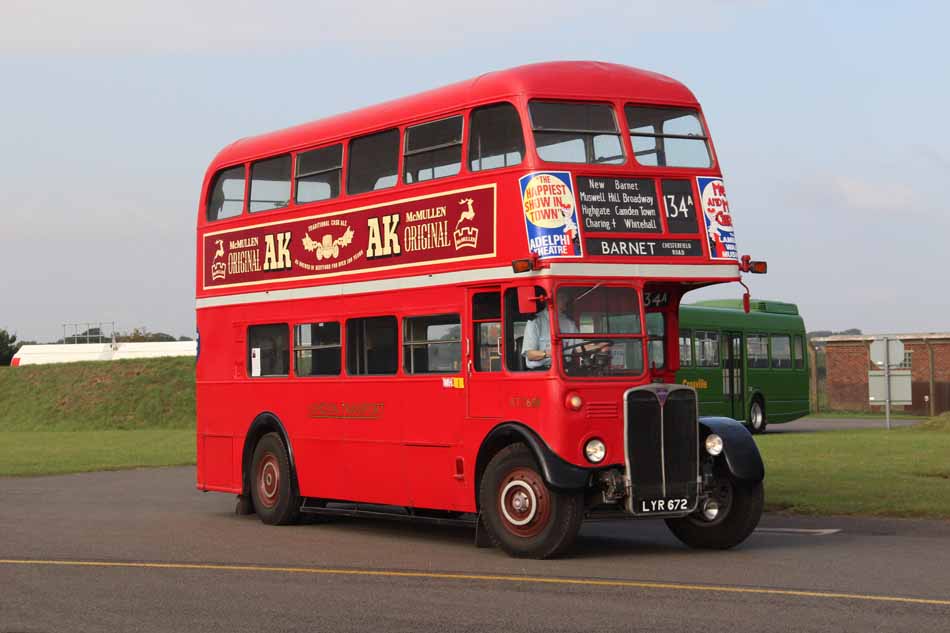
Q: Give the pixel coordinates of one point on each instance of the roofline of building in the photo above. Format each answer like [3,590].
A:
[851,338]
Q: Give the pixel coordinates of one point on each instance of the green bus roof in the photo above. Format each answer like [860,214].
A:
[728,314]
[756,305]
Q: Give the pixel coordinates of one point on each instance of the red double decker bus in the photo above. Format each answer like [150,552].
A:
[462,306]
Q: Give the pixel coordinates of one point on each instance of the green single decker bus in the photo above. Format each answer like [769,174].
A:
[750,367]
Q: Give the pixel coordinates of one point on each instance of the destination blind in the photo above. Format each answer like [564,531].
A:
[618,205]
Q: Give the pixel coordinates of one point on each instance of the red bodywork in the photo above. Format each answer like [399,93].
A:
[413,440]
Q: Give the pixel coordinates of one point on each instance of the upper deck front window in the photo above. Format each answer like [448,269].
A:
[668,137]
[576,133]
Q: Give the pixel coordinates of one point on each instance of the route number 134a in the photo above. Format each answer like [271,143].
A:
[676,209]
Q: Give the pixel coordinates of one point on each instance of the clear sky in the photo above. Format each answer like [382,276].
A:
[830,122]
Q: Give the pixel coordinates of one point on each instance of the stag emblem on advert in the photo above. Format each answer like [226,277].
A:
[219,270]
[327,247]
[466,236]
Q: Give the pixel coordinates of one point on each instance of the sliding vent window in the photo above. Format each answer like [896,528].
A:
[270,184]
[227,194]
[432,344]
[373,162]
[576,133]
[318,174]
[371,346]
[317,349]
[668,137]
[433,150]
[495,139]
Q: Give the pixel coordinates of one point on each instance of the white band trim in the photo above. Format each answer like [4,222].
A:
[722,272]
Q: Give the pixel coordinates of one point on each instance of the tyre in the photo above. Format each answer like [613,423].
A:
[523,516]
[740,508]
[756,421]
[273,489]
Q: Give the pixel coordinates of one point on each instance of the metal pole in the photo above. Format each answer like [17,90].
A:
[887,383]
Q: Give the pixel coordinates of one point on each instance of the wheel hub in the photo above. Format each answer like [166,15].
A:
[524,503]
[268,480]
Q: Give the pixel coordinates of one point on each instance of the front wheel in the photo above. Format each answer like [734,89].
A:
[736,510]
[757,421]
[523,515]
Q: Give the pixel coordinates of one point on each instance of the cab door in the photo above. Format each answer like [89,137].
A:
[733,377]
[484,346]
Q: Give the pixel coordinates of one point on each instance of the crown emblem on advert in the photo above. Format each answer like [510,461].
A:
[219,270]
[466,236]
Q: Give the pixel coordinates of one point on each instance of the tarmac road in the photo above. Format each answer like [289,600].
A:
[144,551]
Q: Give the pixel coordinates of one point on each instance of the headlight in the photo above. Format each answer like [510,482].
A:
[713,444]
[595,451]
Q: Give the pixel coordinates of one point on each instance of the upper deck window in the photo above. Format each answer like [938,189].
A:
[495,139]
[373,162]
[226,199]
[576,133]
[270,183]
[668,137]
[318,173]
[433,150]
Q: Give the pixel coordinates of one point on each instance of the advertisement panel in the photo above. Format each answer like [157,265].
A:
[443,227]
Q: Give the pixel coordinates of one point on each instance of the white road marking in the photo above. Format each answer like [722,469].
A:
[824,532]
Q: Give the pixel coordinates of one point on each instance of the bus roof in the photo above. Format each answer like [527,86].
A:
[567,79]
[702,315]
[757,305]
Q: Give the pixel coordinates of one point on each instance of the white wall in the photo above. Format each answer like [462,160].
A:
[46,354]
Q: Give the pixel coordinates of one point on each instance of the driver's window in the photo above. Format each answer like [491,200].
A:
[524,332]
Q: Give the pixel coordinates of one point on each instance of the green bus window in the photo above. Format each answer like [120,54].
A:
[686,348]
[656,347]
[781,352]
[707,349]
[757,351]
[799,353]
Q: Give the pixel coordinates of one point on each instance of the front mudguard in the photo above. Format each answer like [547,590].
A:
[739,451]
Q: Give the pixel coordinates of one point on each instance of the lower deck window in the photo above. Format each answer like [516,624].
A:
[317,349]
[432,344]
[371,346]
[268,350]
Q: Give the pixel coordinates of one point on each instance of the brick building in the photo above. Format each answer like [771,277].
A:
[848,359]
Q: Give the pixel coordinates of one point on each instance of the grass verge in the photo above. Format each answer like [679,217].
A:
[900,473]
[25,453]
[154,393]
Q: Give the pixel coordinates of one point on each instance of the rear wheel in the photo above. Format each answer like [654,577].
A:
[273,491]
[738,508]
[757,422]
[523,515]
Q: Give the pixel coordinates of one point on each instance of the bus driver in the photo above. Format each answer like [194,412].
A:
[537,339]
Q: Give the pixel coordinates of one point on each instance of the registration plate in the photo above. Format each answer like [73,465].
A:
[661,506]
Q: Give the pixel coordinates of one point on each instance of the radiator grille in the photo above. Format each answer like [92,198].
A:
[662,443]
